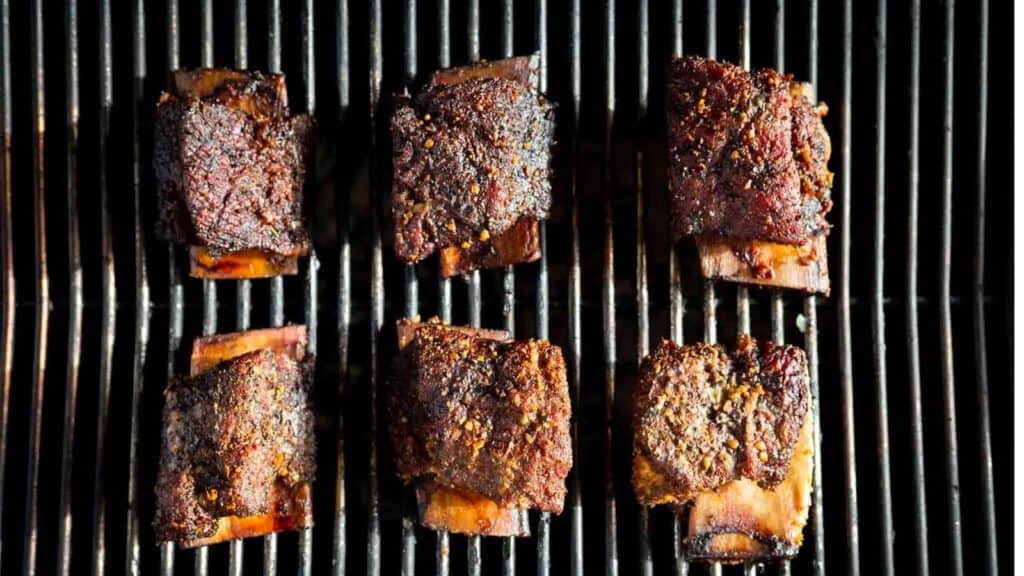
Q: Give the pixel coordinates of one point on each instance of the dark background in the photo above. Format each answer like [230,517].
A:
[342,179]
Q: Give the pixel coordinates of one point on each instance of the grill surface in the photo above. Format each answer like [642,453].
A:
[98,313]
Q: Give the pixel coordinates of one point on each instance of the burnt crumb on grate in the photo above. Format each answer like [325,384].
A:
[229,163]
[747,154]
[482,415]
[238,444]
[472,155]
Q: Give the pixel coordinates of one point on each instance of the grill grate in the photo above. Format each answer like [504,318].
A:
[79,422]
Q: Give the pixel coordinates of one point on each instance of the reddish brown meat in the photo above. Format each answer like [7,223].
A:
[238,451]
[482,416]
[230,163]
[747,154]
[472,156]
[703,417]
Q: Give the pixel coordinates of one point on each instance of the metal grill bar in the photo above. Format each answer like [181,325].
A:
[843,306]
[42,286]
[543,536]
[878,295]
[344,197]
[575,330]
[175,288]
[312,305]
[642,293]
[980,345]
[742,292]
[677,306]
[474,550]
[202,554]
[7,256]
[277,282]
[811,341]
[777,304]
[508,280]
[243,303]
[74,288]
[110,295]
[608,288]
[945,317]
[710,301]
[411,297]
[376,292]
[442,554]
[142,301]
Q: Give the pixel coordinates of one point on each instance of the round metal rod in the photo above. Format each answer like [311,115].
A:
[109,288]
[810,330]
[474,546]
[243,304]
[140,109]
[277,282]
[877,303]
[442,552]
[742,292]
[843,304]
[642,290]
[543,535]
[74,289]
[411,293]
[7,255]
[608,290]
[344,303]
[312,299]
[202,555]
[677,306]
[575,295]
[42,289]
[508,277]
[955,549]
[373,552]
[980,347]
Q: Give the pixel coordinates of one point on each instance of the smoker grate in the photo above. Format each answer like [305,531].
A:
[80,418]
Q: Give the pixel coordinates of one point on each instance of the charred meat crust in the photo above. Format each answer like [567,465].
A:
[233,437]
[484,416]
[703,417]
[472,155]
[229,163]
[747,154]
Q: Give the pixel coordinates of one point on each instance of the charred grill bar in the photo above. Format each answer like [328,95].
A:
[68,385]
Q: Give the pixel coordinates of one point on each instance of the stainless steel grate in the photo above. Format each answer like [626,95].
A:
[79,419]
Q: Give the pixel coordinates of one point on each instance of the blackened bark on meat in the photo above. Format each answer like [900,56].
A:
[472,156]
[235,437]
[230,163]
[481,415]
[747,154]
[703,417]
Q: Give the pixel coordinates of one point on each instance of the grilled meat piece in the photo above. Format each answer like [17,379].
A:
[230,163]
[238,450]
[748,154]
[727,432]
[703,417]
[472,156]
[481,425]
